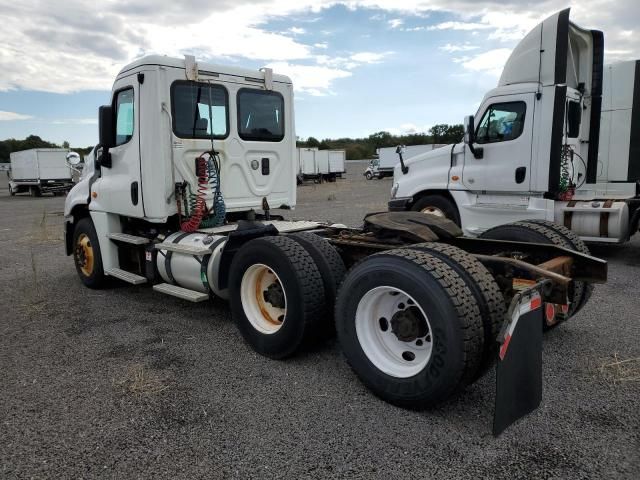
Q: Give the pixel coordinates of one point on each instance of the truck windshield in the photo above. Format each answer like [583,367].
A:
[199,110]
[260,115]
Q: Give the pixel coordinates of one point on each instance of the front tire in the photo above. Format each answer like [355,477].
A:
[409,327]
[439,206]
[368,176]
[276,295]
[86,254]
[11,191]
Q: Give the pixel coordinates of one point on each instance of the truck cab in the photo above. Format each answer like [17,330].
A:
[164,114]
[531,149]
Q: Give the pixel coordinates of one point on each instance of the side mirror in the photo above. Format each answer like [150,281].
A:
[73,159]
[470,136]
[469,129]
[105,126]
[106,135]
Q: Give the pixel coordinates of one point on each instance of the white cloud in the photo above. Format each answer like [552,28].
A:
[458,48]
[64,46]
[369,57]
[13,116]
[323,45]
[459,26]
[311,79]
[76,121]
[408,129]
[352,61]
[490,62]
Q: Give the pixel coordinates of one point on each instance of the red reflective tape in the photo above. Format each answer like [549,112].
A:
[565,309]
[504,346]
[536,302]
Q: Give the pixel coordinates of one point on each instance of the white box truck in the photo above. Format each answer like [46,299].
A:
[557,140]
[320,165]
[337,160]
[40,170]
[422,312]
[389,157]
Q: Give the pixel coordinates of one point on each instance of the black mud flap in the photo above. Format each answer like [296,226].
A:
[519,363]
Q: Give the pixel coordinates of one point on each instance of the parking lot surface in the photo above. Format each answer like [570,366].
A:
[128,383]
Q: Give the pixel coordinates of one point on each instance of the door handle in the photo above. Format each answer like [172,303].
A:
[521,173]
[134,193]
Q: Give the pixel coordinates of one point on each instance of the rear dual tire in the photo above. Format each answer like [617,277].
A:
[276,295]
[542,231]
[409,327]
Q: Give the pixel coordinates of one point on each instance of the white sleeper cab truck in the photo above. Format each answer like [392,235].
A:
[179,192]
[531,151]
[389,157]
[40,170]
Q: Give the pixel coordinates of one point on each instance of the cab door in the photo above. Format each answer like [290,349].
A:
[119,189]
[504,132]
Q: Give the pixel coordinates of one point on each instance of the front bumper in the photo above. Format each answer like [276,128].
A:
[400,204]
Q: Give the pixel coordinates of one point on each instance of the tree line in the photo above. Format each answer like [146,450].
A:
[355,148]
[33,141]
[360,148]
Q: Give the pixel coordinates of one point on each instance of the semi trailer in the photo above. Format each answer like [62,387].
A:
[558,139]
[179,194]
[40,170]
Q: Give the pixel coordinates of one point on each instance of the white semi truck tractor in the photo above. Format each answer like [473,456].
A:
[179,192]
[557,140]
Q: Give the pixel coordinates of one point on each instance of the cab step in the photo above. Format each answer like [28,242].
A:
[126,238]
[125,276]
[186,249]
[180,292]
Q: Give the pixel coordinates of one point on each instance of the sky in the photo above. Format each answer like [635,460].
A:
[358,66]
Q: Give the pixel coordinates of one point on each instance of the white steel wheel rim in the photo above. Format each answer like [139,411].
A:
[400,358]
[263,315]
[433,211]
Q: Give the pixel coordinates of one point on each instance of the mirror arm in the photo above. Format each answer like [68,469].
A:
[403,167]
[104,160]
[478,152]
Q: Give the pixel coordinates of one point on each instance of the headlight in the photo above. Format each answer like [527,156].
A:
[394,190]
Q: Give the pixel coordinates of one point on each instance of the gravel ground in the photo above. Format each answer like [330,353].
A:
[126,383]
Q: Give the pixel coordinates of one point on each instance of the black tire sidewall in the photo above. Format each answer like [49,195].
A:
[516,233]
[287,339]
[96,279]
[444,204]
[522,234]
[441,375]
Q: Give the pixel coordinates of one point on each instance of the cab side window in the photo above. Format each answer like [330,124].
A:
[501,122]
[124,116]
